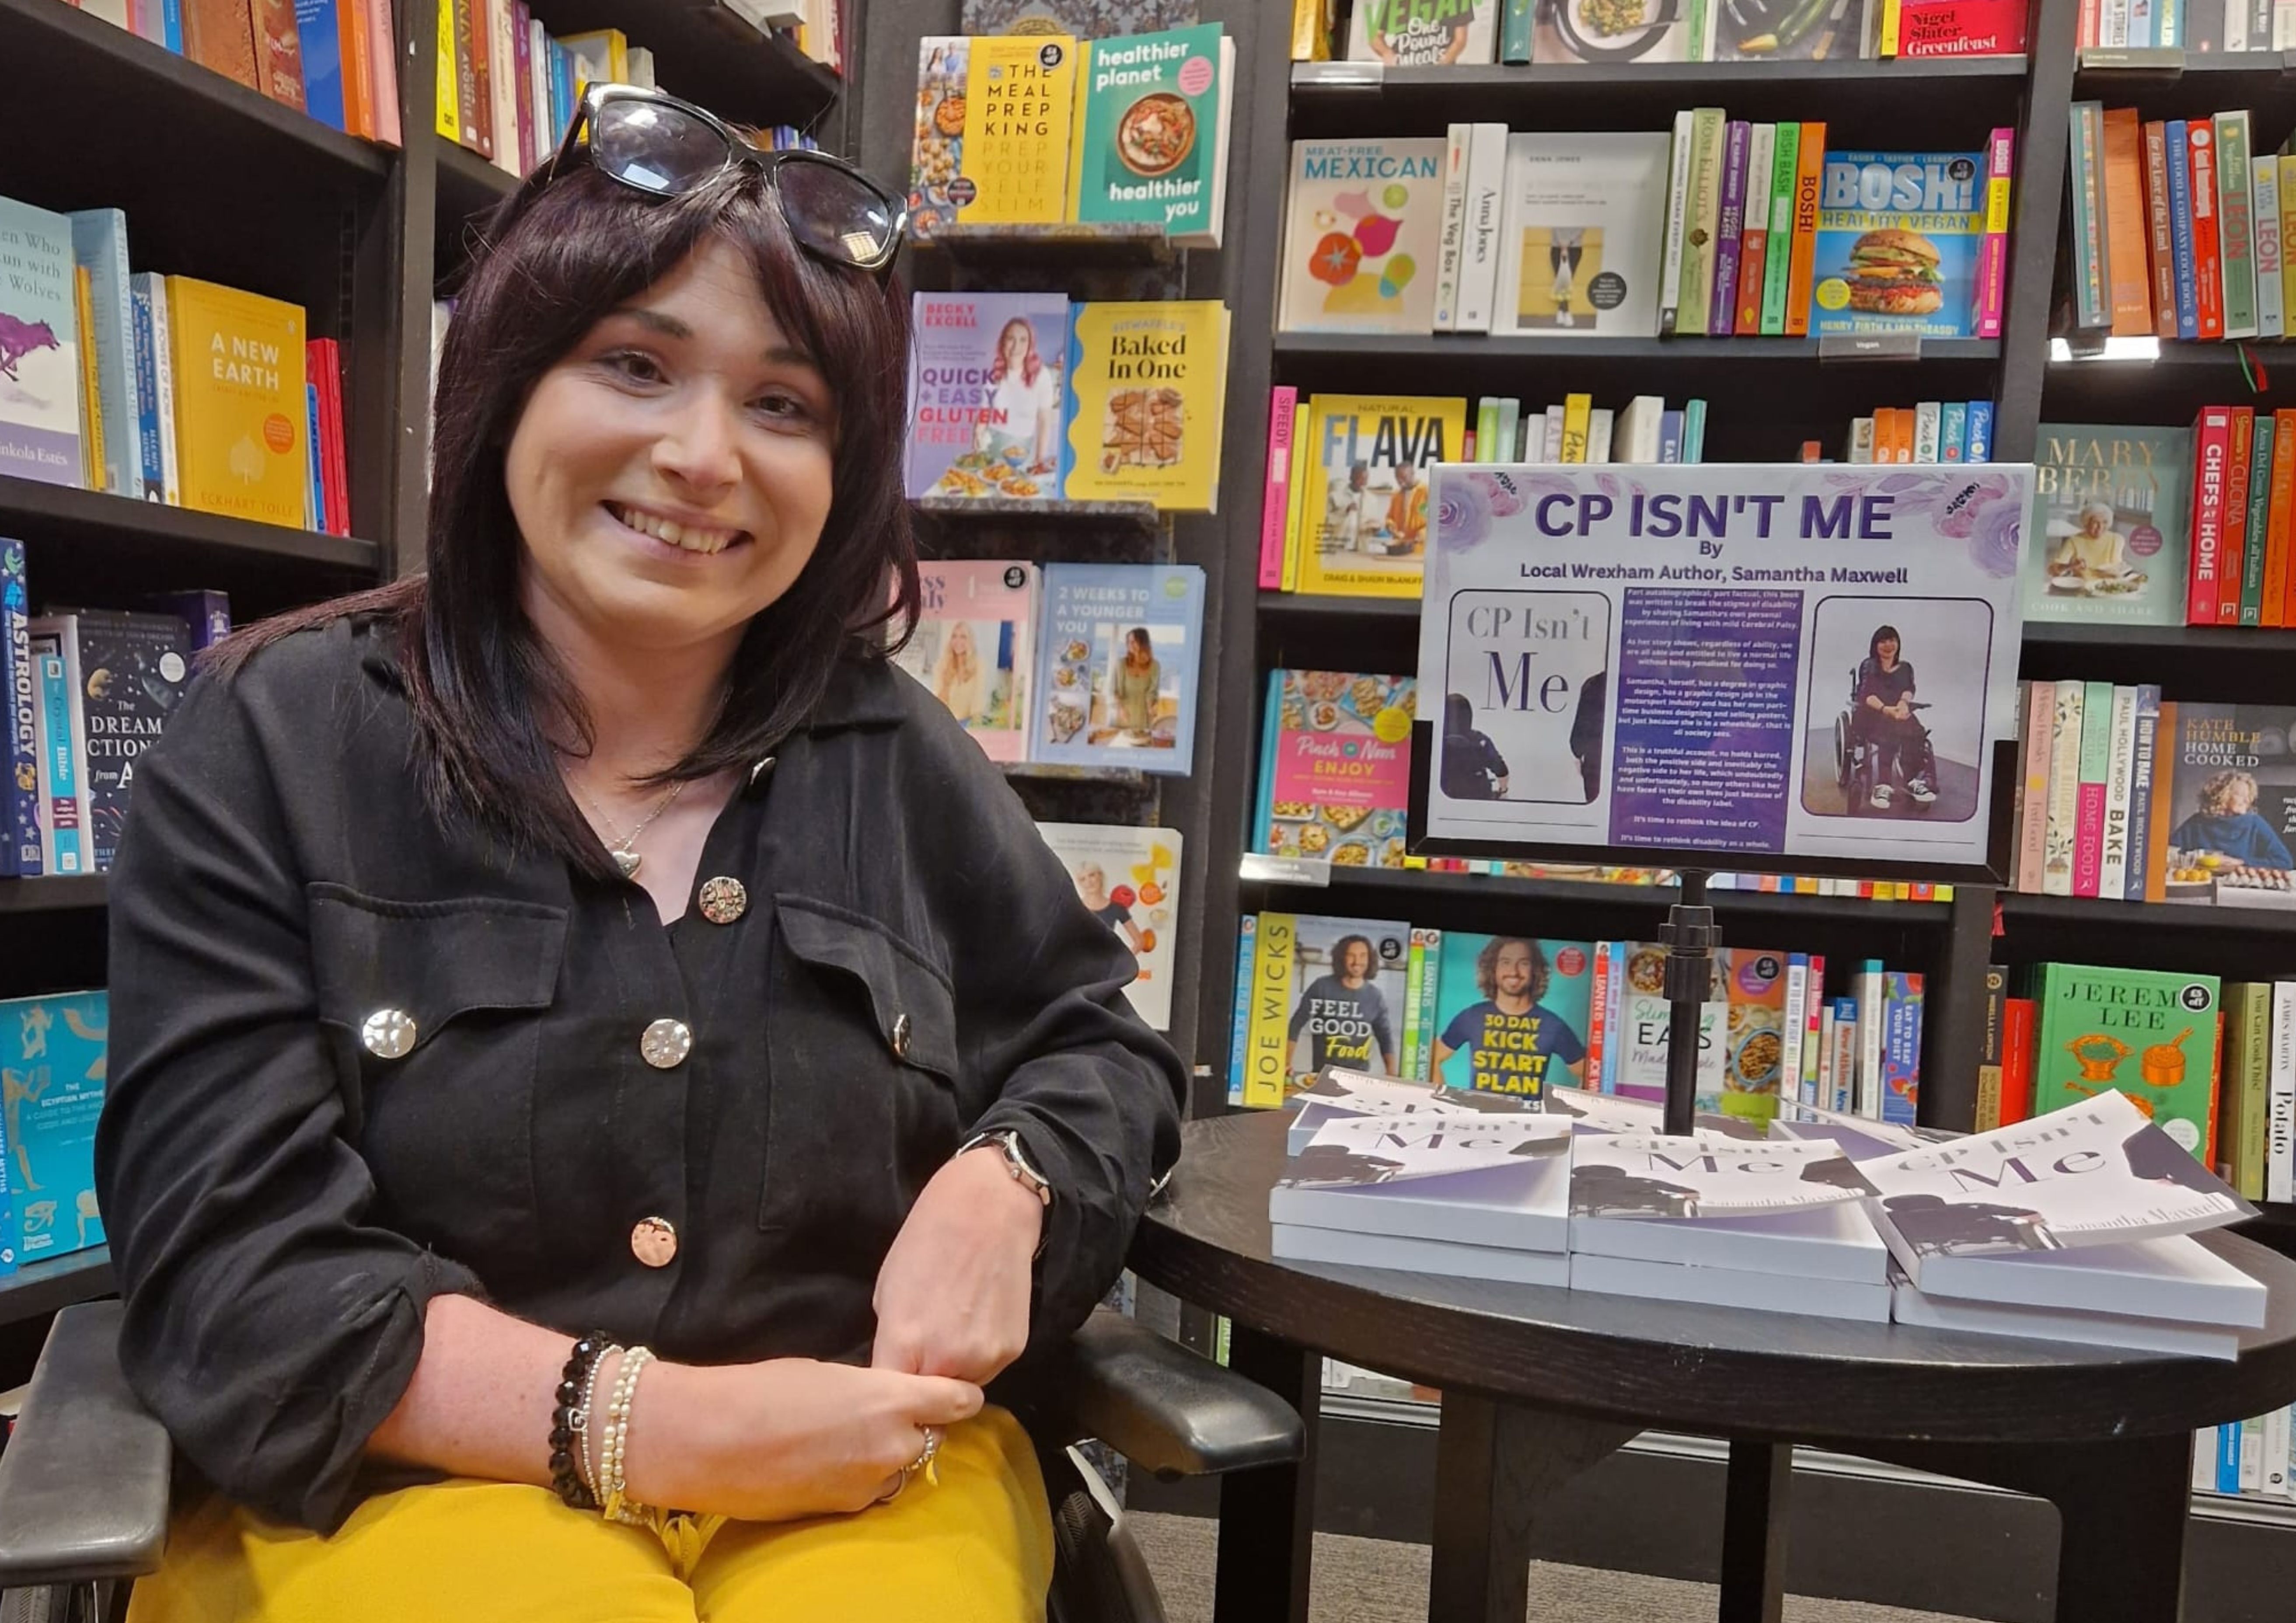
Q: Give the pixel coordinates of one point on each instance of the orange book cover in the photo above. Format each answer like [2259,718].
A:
[1753,250]
[2156,840]
[1809,172]
[483,68]
[2275,606]
[278,51]
[220,35]
[1885,434]
[240,404]
[2128,271]
[357,71]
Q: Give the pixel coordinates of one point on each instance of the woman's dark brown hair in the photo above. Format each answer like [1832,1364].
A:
[554,260]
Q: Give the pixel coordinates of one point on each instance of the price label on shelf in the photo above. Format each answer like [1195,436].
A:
[1870,346]
[1258,867]
[1338,76]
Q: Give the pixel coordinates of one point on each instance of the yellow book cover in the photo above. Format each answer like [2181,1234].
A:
[91,413]
[1303,433]
[1578,411]
[1268,1041]
[1020,101]
[1363,519]
[2287,225]
[447,105]
[601,57]
[1312,22]
[1147,390]
[240,404]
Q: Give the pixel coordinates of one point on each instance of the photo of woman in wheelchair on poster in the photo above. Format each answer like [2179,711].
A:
[1884,740]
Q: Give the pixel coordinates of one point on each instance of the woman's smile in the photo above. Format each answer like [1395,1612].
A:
[685,535]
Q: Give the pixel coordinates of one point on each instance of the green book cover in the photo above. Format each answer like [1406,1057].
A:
[2235,233]
[1149,133]
[2090,309]
[2260,520]
[1778,267]
[1700,213]
[2150,1033]
[1515,19]
[2243,1096]
[2112,518]
[2096,731]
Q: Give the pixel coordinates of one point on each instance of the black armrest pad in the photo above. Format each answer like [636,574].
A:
[1169,1410]
[84,1481]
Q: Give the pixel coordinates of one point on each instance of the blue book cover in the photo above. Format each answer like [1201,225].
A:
[133,668]
[1901,1046]
[1118,666]
[1512,1015]
[1845,1077]
[1670,437]
[2140,789]
[2228,1457]
[1271,726]
[149,466]
[314,487]
[1953,431]
[99,239]
[320,34]
[1981,432]
[52,1064]
[39,348]
[171,25]
[63,804]
[20,741]
[207,614]
[987,400]
[1899,236]
[1694,430]
[2180,231]
[1247,947]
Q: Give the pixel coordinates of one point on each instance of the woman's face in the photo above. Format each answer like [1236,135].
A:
[1016,341]
[670,475]
[1091,885]
[2239,797]
[1886,650]
[960,641]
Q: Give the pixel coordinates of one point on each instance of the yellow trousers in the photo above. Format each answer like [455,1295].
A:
[977,1547]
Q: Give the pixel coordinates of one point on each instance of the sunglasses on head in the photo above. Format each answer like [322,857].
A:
[663,147]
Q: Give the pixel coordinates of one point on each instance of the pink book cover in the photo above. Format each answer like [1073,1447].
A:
[2033,790]
[1336,766]
[2088,839]
[1993,252]
[2211,463]
[1283,405]
[382,30]
[970,649]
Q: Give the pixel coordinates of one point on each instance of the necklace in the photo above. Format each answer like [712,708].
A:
[625,858]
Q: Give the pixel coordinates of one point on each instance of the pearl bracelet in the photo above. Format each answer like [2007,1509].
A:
[614,1453]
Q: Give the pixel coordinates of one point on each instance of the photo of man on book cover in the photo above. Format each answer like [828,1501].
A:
[1343,1016]
[1511,1014]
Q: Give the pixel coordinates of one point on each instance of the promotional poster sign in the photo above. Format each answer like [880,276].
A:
[1796,666]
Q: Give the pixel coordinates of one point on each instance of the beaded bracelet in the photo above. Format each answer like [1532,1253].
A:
[582,1428]
[613,1457]
[570,1416]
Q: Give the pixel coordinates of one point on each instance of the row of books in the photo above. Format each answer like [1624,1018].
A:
[1517,1015]
[1129,880]
[86,690]
[1928,432]
[52,1050]
[2195,27]
[1557,33]
[2177,227]
[2122,795]
[1037,129]
[1074,664]
[1814,1212]
[1024,396]
[1725,228]
[2254,1458]
[162,389]
[334,58]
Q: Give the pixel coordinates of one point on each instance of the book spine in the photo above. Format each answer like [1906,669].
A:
[1247,943]
[1848,1052]
[1929,422]
[1268,1061]
[2251,1454]
[1993,249]
[1515,20]
[2280,1120]
[1953,432]
[163,366]
[2096,757]
[2160,253]
[66,816]
[385,61]
[2257,525]
[1275,505]
[2247,1109]
[1872,1022]
[1981,432]
[2207,269]
[2128,271]
[2277,1439]
[2064,791]
[1828,1041]
[2278,499]
[2264,227]
[1729,226]
[147,399]
[1577,410]
[1694,430]
[2087,195]
[1797,1010]
[2033,811]
[1813,1045]
[19,748]
[2228,1457]
[1754,236]
[2140,791]
[1479,262]
[2231,550]
[1989,1053]
[1677,225]
[2211,460]
[1598,1025]
[2236,243]
[2016,1060]
[2119,777]
[1901,1060]
[2177,160]
[314,477]
[1414,1058]
[1808,180]
[1458,152]
[1701,213]
[1777,254]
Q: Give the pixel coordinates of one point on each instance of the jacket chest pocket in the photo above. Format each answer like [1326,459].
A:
[440,1007]
[861,1106]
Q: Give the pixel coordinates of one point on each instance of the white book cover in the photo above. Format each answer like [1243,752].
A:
[1868,988]
[1655,1176]
[1599,424]
[2171,1277]
[1458,144]
[2276,1454]
[2120,786]
[1337,1093]
[1363,236]
[1594,1113]
[2251,1454]
[1499,1180]
[1299,1242]
[1837,1240]
[1635,438]
[1797,1023]
[1585,235]
[1911,1305]
[1929,416]
[1677,205]
[2280,1107]
[2095,1173]
[1861,439]
[1413,34]
[1480,248]
[1672,1281]
[1129,880]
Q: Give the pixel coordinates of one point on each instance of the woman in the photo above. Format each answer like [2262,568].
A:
[1092,890]
[1137,684]
[1024,401]
[2094,552]
[958,681]
[2225,820]
[540,949]
[1884,700]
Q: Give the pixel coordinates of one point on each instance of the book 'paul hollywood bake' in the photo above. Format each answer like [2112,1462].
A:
[1899,236]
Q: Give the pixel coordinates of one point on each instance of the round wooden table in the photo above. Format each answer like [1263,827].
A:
[1541,1383]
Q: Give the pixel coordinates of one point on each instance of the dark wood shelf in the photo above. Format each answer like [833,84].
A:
[706,52]
[41,1287]
[89,518]
[2164,639]
[77,890]
[2163,919]
[1529,346]
[1018,511]
[998,248]
[1396,886]
[1310,605]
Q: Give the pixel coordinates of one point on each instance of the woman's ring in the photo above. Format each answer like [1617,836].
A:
[924,1462]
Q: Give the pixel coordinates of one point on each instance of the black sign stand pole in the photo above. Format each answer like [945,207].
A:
[1691,938]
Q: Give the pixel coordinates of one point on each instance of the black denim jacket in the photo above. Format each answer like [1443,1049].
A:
[288,1180]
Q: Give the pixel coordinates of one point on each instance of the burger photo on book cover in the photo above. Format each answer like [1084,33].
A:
[1894,272]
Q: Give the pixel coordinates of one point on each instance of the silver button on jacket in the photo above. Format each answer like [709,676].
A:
[389,1034]
[666,1044]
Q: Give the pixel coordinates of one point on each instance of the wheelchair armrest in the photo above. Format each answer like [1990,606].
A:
[1168,1410]
[84,1482]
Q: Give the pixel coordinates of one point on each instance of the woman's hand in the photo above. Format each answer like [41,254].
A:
[953,1295]
[780,1440]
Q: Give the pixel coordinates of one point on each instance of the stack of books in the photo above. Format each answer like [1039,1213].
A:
[2196,27]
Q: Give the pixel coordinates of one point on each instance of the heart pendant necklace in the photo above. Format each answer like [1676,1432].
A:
[626,857]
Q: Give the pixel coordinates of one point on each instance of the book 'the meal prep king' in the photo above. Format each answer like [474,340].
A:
[1898,238]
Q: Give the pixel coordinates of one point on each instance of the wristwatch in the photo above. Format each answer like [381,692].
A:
[1016,1161]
